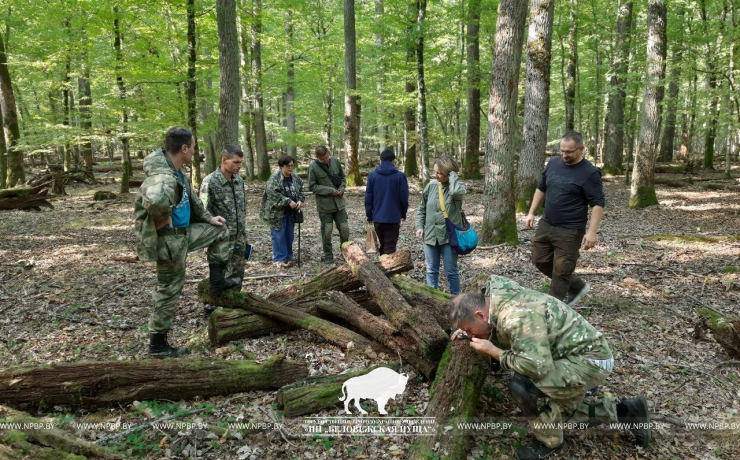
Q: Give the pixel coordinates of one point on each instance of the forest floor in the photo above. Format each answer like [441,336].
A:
[63,298]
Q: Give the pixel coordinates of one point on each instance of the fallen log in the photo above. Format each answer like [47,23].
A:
[316,394]
[226,325]
[348,340]
[339,305]
[33,197]
[31,438]
[425,298]
[413,323]
[339,278]
[454,398]
[91,385]
[725,330]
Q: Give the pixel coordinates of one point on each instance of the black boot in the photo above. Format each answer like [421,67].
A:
[635,412]
[535,450]
[159,348]
[218,283]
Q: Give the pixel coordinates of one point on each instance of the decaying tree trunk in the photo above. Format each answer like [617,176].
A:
[98,384]
[726,331]
[226,325]
[419,327]
[338,335]
[30,438]
[454,397]
[340,306]
[316,394]
[33,197]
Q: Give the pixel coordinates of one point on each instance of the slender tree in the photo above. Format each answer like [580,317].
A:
[380,45]
[709,56]
[258,113]
[410,164]
[642,190]
[126,169]
[471,165]
[570,89]
[228,63]
[290,88]
[499,218]
[421,107]
[15,172]
[191,92]
[351,116]
[536,101]
[3,152]
[669,133]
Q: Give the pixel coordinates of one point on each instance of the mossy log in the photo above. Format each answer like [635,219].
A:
[454,398]
[91,385]
[725,330]
[425,298]
[414,323]
[226,325]
[339,278]
[30,439]
[339,305]
[102,195]
[33,197]
[316,394]
[348,340]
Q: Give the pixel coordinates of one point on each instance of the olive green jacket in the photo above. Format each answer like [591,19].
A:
[429,215]
[321,186]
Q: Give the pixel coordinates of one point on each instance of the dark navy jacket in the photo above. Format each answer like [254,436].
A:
[386,194]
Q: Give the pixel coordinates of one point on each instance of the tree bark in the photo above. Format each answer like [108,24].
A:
[92,385]
[126,170]
[260,137]
[191,93]
[536,101]
[33,197]
[382,66]
[669,133]
[316,394]
[454,399]
[245,42]
[642,190]
[410,163]
[290,89]
[421,107]
[15,172]
[351,115]
[3,151]
[471,168]
[711,132]
[228,64]
[725,330]
[614,145]
[85,106]
[570,89]
[412,323]
[340,306]
[499,221]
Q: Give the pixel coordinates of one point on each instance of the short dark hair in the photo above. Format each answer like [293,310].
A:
[285,160]
[464,306]
[176,137]
[321,150]
[230,151]
[387,155]
[574,136]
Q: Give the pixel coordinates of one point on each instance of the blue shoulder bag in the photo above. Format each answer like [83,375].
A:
[462,239]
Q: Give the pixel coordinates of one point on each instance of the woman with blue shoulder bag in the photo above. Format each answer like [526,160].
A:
[440,208]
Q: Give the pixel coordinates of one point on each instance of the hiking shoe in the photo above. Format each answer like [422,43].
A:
[160,349]
[208,309]
[535,450]
[574,300]
[637,415]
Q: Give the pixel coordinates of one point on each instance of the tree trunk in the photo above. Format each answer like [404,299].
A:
[669,133]
[15,172]
[382,61]
[228,64]
[499,222]
[317,394]
[411,163]
[92,385]
[454,399]
[245,42]
[33,197]
[85,105]
[725,330]
[66,99]
[421,107]
[351,115]
[711,132]
[290,90]
[689,117]
[642,190]
[570,89]
[471,168]
[340,306]
[3,152]
[191,93]
[260,137]
[413,323]
[614,148]
[536,101]
[126,170]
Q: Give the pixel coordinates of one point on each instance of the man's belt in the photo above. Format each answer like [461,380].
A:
[172,231]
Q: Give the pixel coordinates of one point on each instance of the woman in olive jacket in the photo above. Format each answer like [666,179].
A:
[430,222]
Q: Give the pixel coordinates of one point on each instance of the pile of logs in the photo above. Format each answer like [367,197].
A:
[27,197]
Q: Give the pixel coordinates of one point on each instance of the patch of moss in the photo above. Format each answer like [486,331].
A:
[730,269]
[644,197]
[440,368]
[717,320]
[14,437]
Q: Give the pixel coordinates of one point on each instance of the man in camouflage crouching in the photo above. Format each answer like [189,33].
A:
[556,357]
[170,222]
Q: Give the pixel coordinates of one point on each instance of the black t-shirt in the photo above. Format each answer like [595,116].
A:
[570,190]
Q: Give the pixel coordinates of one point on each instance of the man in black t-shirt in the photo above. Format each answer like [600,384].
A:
[571,184]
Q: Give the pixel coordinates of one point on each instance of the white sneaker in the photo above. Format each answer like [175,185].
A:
[581,293]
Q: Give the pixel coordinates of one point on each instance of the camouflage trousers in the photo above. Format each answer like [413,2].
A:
[328,219]
[235,265]
[561,395]
[172,251]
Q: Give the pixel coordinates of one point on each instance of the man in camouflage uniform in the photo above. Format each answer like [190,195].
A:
[556,357]
[170,222]
[222,194]
[326,180]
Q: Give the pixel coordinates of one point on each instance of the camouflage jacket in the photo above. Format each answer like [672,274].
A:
[226,198]
[158,195]
[542,333]
[274,200]
[320,185]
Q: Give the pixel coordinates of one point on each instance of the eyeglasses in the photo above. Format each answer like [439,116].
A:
[569,152]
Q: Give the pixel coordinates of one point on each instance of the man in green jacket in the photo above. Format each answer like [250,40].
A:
[170,222]
[326,180]
[556,357]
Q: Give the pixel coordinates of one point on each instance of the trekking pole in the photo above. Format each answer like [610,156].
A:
[299,245]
